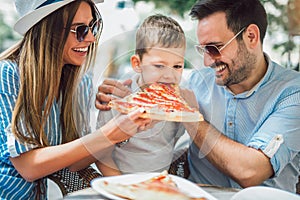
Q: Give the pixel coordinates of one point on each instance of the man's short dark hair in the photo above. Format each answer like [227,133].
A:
[239,13]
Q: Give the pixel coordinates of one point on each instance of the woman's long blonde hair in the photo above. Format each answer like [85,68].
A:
[42,76]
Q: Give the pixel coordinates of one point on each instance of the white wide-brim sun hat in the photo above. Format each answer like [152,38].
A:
[33,11]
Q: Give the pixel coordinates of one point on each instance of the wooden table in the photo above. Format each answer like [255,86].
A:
[218,192]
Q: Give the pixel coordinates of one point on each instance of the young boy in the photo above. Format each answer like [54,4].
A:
[159,57]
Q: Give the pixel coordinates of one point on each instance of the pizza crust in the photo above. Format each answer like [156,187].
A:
[174,116]
[156,114]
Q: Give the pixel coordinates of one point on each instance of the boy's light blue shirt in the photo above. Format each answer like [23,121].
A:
[265,118]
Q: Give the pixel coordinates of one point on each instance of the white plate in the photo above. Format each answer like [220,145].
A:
[184,185]
[264,193]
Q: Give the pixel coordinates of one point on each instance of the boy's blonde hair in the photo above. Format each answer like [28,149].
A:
[159,31]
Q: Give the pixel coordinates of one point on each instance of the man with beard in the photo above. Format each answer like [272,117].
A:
[250,104]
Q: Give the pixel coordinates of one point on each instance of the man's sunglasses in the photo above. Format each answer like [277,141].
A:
[212,50]
[82,30]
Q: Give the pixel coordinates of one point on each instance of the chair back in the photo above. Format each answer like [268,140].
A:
[68,181]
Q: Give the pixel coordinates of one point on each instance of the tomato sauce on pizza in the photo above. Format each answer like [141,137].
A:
[161,102]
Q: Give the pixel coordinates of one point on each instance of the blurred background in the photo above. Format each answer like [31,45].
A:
[121,17]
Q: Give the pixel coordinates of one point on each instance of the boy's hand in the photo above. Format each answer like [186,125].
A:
[110,89]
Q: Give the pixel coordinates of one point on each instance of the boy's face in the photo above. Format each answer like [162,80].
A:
[163,65]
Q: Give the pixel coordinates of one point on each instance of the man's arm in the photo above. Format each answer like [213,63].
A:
[246,165]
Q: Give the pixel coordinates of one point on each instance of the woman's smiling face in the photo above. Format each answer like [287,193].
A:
[75,52]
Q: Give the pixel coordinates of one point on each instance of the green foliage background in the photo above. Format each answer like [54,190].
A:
[276,9]
[277,17]
[6,33]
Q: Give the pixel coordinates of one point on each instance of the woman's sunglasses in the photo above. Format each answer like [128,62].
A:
[212,50]
[82,30]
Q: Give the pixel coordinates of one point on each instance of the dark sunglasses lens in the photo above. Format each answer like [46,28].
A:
[81,32]
[95,28]
[212,51]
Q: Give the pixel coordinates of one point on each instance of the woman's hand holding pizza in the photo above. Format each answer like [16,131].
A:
[122,127]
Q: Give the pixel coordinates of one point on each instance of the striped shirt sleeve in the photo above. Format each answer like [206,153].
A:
[9,88]
[85,100]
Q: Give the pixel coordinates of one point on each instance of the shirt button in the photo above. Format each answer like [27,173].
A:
[230,123]
[279,137]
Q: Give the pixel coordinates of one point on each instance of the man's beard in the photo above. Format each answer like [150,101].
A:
[246,62]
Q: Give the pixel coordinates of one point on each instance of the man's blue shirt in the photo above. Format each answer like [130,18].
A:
[266,118]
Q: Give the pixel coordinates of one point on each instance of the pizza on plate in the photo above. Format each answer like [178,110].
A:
[159,187]
[161,102]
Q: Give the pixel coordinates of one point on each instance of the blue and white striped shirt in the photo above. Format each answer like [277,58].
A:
[266,118]
[12,185]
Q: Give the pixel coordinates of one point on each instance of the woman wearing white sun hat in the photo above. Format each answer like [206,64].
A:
[43,80]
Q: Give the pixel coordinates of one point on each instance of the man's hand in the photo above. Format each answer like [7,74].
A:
[110,89]
[190,98]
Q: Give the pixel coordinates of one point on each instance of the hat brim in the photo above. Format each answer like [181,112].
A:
[29,20]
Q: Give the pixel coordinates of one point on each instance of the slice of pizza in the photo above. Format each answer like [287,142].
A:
[158,187]
[163,178]
[161,102]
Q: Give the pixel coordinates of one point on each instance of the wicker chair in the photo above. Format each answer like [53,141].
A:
[180,165]
[298,186]
[68,181]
